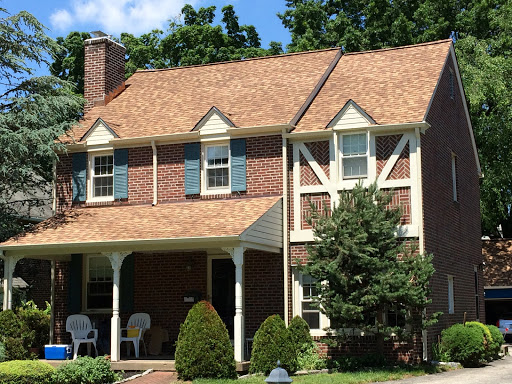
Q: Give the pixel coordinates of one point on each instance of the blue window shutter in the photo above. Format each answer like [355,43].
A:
[79,176]
[75,284]
[127,283]
[192,168]
[121,174]
[238,171]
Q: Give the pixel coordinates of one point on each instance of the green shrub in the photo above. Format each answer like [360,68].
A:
[26,372]
[86,370]
[487,337]
[497,341]
[357,363]
[439,353]
[273,342]
[300,334]
[14,340]
[311,358]
[464,344]
[35,324]
[203,349]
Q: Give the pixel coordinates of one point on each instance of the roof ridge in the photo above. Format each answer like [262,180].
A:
[401,47]
[236,61]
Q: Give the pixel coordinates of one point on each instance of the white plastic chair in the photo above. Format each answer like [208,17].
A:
[80,328]
[141,322]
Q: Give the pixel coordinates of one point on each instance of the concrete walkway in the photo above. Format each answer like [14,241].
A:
[497,372]
[159,377]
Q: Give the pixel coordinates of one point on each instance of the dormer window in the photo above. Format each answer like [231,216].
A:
[102,175]
[217,167]
[354,156]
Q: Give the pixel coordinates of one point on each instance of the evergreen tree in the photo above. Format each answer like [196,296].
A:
[34,112]
[363,269]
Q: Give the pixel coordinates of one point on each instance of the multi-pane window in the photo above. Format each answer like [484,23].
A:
[310,313]
[99,282]
[217,167]
[354,150]
[103,176]
[396,317]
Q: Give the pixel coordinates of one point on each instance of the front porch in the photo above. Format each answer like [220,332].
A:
[240,270]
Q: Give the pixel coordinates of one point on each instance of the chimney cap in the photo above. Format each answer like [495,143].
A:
[99,34]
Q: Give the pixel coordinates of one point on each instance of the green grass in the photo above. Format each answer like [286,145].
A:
[361,377]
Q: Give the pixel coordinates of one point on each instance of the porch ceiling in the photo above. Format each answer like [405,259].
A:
[181,225]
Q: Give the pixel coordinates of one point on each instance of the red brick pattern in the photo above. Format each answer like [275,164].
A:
[451,229]
[36,274]
[171,172]
[320,152]
[320,202]
[298,254]
[140,175]
[385,145]
[104,71]
[402,198]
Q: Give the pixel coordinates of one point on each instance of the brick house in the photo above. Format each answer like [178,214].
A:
[194,182]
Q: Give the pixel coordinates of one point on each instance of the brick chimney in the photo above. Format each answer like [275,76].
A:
[104,70]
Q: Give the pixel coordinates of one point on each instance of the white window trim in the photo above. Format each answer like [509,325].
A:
[90,171]
[451,295]
[85,280]
[204,177]
[341,156]
[297,305]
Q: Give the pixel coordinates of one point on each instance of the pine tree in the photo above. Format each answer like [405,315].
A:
[363,269]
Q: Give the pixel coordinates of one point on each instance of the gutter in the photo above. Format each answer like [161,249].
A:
[285,228]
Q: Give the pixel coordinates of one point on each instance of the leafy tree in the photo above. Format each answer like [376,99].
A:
[362,269]
[34,112]
[69,61]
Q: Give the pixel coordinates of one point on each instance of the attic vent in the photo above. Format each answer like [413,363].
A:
[452,85]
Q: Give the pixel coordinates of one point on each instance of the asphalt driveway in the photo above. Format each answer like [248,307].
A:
[497,372]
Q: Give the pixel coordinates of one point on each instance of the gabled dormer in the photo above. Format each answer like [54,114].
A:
[351,116]
[99,133]
[213,123]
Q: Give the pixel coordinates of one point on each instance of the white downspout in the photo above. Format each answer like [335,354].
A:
[421,241]
[155,173]
[285,228]
[54,188]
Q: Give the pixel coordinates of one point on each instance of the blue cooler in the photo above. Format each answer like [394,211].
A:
[58,351]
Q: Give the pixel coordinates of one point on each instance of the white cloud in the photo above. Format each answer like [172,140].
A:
[61,20]
[114,17]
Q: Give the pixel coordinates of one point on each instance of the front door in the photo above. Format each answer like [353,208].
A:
[223,291]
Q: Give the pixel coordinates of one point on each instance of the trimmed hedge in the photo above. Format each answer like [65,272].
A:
[203,349]
[26,372]
[465,345]
[497,341]
[85,370]
[300,334]
[273,342]
[11,336]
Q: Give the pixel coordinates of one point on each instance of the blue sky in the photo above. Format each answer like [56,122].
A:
[140,16]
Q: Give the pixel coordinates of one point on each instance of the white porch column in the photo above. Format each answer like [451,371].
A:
[237,254]
[116,260]
[9,265]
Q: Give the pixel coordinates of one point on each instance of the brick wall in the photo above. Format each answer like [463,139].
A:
[37,274]
[140,175]
[104,70]
[451,229]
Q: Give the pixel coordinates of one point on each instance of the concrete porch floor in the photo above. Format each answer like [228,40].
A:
[156,363]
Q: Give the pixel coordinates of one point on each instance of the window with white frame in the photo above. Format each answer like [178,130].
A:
[309,312]
[354,156]
[451,299]
[217,167]
[102,176]
[99,282]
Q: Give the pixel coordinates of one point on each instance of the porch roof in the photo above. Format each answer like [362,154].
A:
[190,224]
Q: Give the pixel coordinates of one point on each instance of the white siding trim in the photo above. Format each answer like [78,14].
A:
[268,229]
